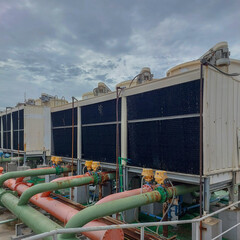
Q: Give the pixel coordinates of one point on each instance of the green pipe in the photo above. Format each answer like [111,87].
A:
[30,173]
[181,190]
[11,159]
[96,178]
[31,217]
[109,208]
[45,187]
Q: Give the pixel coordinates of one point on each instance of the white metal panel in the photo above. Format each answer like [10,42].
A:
[221,120]
[37,130]
[47,130]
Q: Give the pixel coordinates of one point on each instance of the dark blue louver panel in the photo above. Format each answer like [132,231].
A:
[62,133]
[62,138]
[165,143]
[15,140]
[7,131]
[99,143]
[170,101]
[64,118]
[15,120]
[171,145]
[18,130]
[7,140]
[100,112]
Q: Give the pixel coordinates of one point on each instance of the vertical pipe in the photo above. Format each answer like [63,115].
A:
[100,191]
[117,142]
[72,131]
[72,142]
[18,136]
[79,134]
[11,133]
[1,131]
[124,129]
[201,145]
[165,214]
[6,131]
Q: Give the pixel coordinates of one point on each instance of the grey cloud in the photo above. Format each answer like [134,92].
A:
[66,47]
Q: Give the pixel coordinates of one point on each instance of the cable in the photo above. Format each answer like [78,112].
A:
[205,62]
[142,184]
[136,77]
[167,208]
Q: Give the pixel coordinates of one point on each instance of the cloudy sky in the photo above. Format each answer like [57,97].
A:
[65,47]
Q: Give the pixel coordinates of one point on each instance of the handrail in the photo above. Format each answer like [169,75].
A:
[124,226]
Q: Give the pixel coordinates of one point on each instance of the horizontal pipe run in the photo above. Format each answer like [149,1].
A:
[109,208]
[127,226]
[31,217]
[56,185]
[31,173]
[11,159]
[39,188]
[64,212]
[129,193]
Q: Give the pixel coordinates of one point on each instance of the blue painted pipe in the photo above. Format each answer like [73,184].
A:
[152,215]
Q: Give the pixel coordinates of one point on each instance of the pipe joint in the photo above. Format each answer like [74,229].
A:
[97,178]
[59,170]
[163,193]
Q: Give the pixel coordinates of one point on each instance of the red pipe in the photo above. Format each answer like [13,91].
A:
[115,196]
[64,212]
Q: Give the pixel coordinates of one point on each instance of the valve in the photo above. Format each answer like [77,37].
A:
[56,160]
[88,165]
[95,166]
[160,176]
[147,174]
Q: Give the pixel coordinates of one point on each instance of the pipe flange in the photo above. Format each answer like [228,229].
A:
[59,170]
[163,193]
[97,178]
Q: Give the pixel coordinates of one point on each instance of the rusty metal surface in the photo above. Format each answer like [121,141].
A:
[131,234]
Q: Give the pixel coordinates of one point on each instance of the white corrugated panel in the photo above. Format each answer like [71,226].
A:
[221,122]
[37,130]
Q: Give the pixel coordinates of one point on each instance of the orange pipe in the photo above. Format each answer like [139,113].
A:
[63,212]
[115,196]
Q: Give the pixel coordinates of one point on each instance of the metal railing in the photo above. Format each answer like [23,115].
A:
[54,233]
